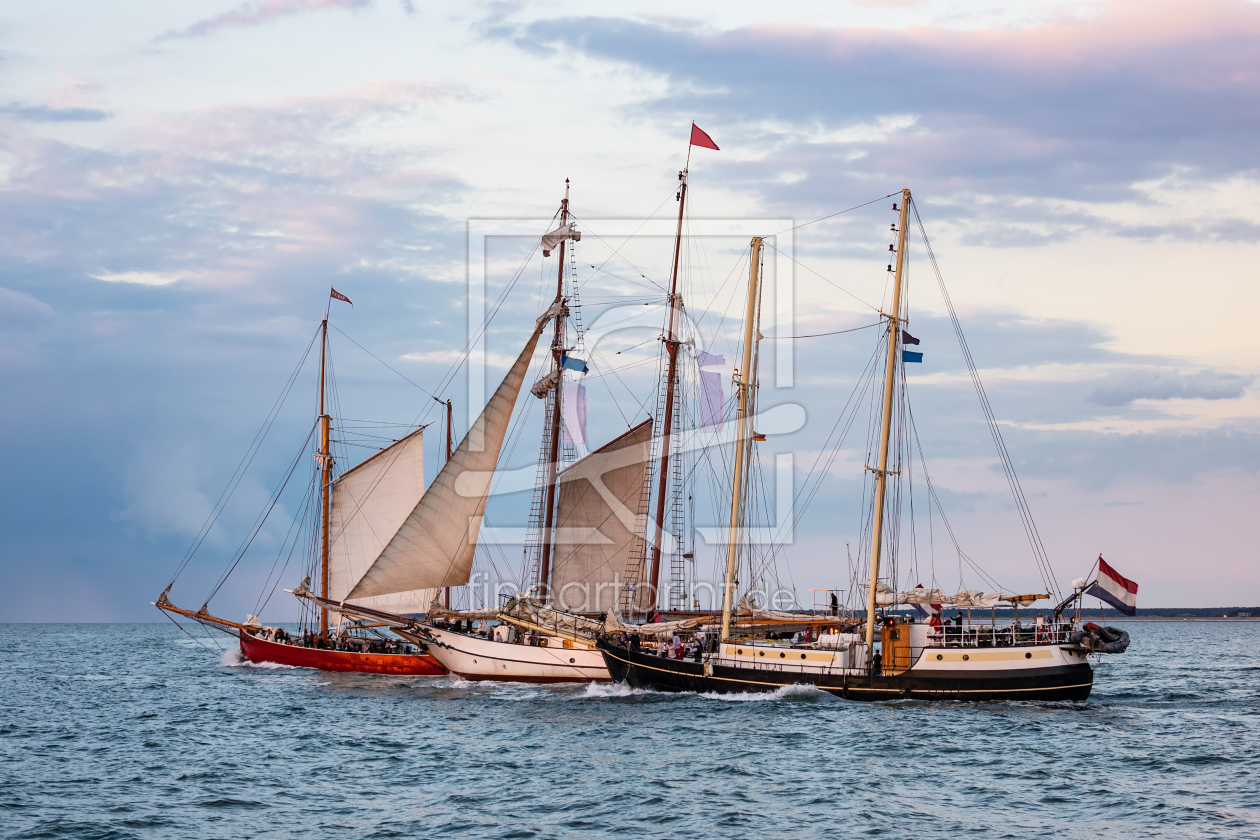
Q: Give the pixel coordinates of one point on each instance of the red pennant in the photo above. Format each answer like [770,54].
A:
[336,295]
[699,138]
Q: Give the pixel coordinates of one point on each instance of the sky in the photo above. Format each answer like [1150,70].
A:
[180,184]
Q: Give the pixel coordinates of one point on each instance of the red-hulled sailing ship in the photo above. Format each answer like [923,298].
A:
[358,512]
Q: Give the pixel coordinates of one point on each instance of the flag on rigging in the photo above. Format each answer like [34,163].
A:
[700,138]
[926,610]
[1112,587]
[906,338]
[574,413]
[911,356]
[573,363]
[711,396]
[336,295]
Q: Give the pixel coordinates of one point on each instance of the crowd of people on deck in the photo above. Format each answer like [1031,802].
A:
[334,641]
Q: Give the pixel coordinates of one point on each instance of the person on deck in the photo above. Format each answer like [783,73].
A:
[835,604]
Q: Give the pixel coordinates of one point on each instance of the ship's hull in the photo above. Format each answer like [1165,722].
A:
[400,664]
[1061,677]
[475,658]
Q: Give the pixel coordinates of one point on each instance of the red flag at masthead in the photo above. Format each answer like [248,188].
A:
[700,138]
[336,295]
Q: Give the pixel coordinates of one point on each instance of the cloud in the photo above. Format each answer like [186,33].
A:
[43,113]
[1002,123]
[144,278]
[259,12]
[20,309]
[1123,387]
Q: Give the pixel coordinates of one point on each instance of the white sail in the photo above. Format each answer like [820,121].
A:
[369,505]
[598,519]
[434,546]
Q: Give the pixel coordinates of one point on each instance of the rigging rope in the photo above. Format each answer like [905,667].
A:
[819,335]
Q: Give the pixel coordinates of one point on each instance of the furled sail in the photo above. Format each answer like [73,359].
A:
[599,518]
[435,544]
[369,505]
[886,597]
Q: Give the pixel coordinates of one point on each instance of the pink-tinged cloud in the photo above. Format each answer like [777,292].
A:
[262,11]
[1079,107]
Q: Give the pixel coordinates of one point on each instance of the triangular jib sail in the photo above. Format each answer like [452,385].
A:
[435,544]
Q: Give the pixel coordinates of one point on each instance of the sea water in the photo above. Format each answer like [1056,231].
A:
[121,731]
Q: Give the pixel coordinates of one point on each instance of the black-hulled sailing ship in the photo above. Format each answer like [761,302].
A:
[883,653]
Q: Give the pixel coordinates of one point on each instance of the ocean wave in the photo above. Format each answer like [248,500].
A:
[607,690]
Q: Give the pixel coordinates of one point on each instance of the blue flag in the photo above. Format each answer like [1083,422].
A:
[572,363]
[911,356]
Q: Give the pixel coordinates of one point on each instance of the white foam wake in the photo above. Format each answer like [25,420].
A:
[234,659]
[790,693]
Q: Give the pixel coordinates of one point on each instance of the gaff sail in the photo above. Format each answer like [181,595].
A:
[600,517]
[369,505]
[435,544]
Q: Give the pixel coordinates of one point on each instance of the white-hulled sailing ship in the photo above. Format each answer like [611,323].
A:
[588,519]
[587,524]
[881,654]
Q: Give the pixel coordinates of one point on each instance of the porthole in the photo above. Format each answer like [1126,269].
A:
[740,651]
[939,657]
[761,653]
[782,654]
[1028,655]
[802,656]
[572,660]
[965,657]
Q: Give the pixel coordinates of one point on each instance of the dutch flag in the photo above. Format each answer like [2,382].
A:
[1115,589]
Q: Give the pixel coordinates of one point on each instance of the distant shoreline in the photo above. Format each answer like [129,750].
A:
[1230,618]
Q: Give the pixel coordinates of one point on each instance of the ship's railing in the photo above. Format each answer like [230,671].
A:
[993,636]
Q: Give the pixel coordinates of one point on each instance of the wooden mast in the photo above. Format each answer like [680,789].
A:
[325,471]
[746,385]
[671,380]
[446,591]
[553,458]
[881,474]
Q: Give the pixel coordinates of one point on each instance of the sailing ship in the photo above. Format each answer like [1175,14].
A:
[354,509]
[875,657]
[386,542]
[586,521]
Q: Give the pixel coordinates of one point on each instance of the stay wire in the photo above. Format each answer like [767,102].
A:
[1040,555]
